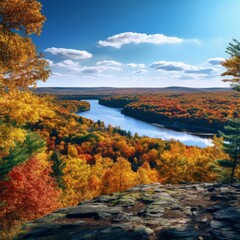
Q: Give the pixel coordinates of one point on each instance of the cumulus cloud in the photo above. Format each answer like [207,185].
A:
[215,61]
[75,67]
[118,40]
[69,65]
[197,70]
[136,65]
[109,63]
[69,53]
[169,66]
[181,67]
[99,69]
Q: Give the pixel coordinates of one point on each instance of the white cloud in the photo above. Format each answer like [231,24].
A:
[69,53]
[198,70]
[181,67]
[118,40]
[135,65]
[169,66]
[99,69]
[69,65]
[109,63]
[59,74]
[75,67]
[215,61]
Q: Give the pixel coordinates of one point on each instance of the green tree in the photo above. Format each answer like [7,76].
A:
[32,145]
[17,155]
[231,146]
[57,167]
[231,133]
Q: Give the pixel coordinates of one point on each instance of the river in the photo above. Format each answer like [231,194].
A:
[114,117]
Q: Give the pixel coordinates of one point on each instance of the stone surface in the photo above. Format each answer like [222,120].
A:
[182,212]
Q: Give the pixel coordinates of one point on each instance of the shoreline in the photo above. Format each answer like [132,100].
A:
[199,134]
[203,132]
[176,126]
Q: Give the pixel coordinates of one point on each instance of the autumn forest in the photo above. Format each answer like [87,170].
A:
[52,158]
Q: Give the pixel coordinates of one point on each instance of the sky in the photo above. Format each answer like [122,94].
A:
[137,43]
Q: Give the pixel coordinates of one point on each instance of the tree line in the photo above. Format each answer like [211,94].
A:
[50,157]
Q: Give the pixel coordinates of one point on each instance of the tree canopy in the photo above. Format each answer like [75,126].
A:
[231,133]
[21,66]
[233,65]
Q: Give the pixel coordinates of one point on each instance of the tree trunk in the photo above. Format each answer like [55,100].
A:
[233,170]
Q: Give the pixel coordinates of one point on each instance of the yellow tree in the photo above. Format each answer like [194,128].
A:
[119,178]
[186,164]
[20,63]
[146,174]
[21,66]
[76,176]
[233,65]
[98,170]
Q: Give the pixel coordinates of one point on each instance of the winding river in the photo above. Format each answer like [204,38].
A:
[114,117]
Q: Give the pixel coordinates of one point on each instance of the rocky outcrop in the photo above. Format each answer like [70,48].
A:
[186,211]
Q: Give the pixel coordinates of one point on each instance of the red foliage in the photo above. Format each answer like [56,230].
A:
[198,109]
[29,193]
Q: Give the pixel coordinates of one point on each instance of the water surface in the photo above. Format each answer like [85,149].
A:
[114,117]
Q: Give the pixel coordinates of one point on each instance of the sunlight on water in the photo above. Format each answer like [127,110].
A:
[114,117]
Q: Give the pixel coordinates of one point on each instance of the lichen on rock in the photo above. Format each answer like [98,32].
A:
[157,211]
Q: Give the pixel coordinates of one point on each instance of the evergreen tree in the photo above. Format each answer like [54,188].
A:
[57,167]
[231,146]
[16,156]
[32,145]
[231,133]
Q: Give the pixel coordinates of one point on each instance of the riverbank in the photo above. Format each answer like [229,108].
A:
[173,125]
[201,114]
[195,130]
[113,117]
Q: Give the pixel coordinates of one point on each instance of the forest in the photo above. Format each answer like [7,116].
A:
[52,158]
[196,112]
[66,159]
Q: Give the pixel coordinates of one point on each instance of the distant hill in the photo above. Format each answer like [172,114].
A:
[91,92]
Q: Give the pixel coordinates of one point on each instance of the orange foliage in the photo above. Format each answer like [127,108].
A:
[188,164]
[29,193]
[208,110]
[119,178]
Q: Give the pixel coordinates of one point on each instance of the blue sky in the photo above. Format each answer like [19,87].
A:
[137,43]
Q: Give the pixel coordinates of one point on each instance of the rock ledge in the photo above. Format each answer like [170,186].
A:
[156,211]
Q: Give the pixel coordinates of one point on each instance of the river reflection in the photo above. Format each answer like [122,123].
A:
[114,117]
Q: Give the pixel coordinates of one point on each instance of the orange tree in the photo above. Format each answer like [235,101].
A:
[29,185]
